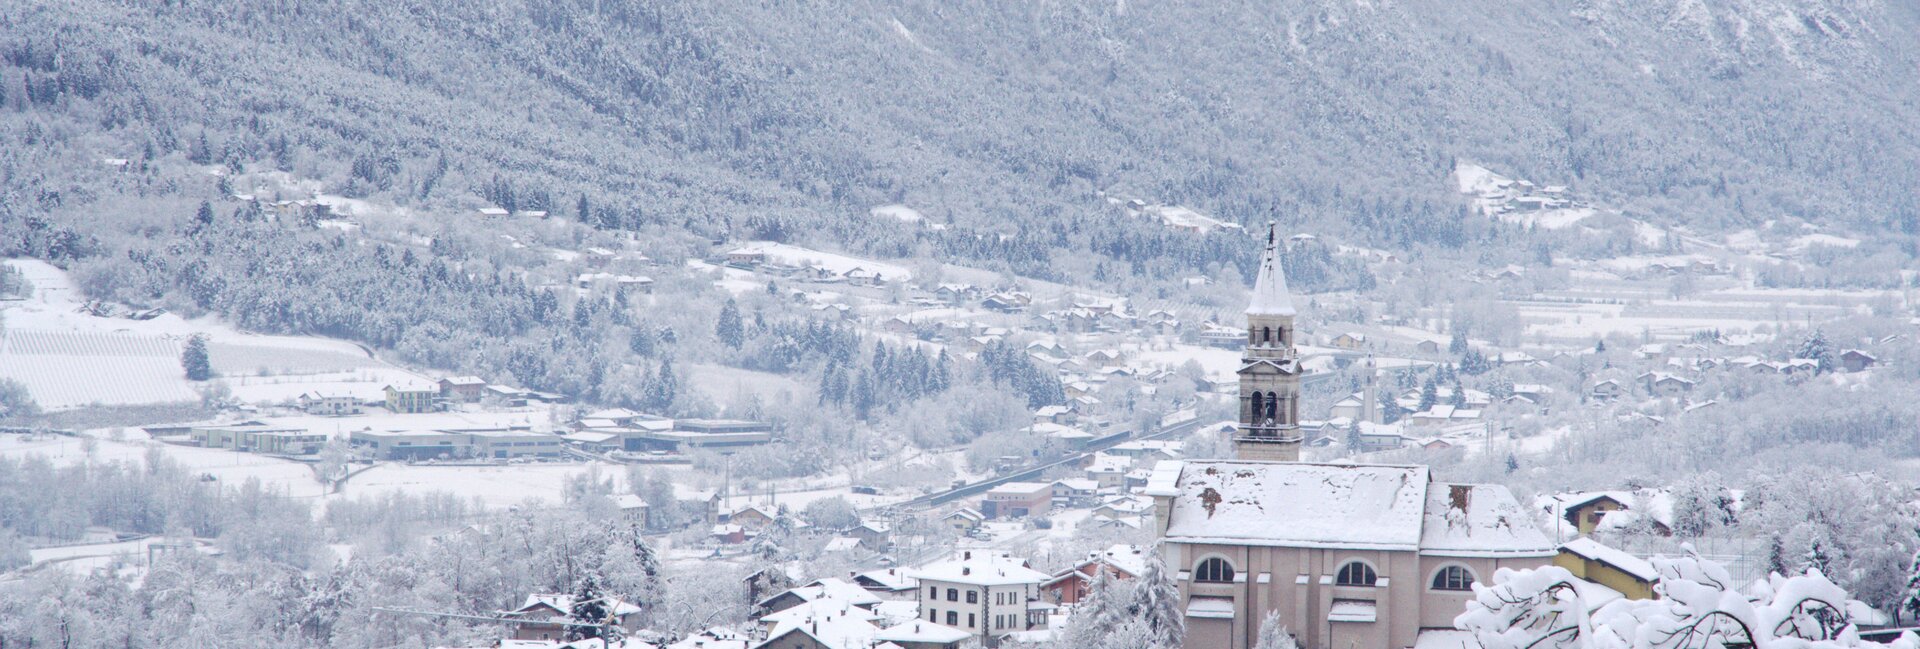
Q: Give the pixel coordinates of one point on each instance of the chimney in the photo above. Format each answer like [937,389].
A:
[965,570]
[968,555]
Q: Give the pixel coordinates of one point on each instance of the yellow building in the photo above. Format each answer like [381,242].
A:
[411,397]
[1588,559]
[1585,510]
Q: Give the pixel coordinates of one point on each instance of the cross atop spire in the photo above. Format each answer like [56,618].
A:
[1270,295]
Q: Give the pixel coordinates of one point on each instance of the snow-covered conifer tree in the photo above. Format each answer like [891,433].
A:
[1156,601]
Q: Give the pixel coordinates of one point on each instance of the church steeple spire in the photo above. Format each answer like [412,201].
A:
[1270,295]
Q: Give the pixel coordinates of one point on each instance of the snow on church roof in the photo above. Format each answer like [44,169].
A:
[1298,504]
[1270,286]
[1479,520]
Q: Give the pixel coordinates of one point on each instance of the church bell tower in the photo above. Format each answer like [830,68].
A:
[1269,369]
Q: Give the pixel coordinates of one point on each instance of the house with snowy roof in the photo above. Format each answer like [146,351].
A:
[828,589]
[546,616]
[823,624]
[987,595]
[920,634]
[1631,576]
[1854,360]
[1119,562]
[889,583]
[334,404]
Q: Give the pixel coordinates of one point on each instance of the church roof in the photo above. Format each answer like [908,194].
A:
[1270,295]
[1356,507]
[1296,504]
[1477,521]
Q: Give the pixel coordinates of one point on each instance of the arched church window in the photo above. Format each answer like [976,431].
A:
[1259,402]
[1355,573]
[1453,578]
[1213,570]
[1273,404]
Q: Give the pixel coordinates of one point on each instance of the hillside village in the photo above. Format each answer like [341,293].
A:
[1029,521]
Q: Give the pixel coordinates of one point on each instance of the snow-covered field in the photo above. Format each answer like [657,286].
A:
[730,386]
[899,213]
[793,255]
[227,467]
[68,358]
[497,487]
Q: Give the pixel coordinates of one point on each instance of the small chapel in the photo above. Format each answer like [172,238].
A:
[1351,556]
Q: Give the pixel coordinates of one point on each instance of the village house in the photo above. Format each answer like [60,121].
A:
[1221,336]
[1123,506]
[986,595]
[1350,340]
[1007,302]
[1854,360]
[632,508]
[1607,390]
[411,397]
[752,517]
[875,535]
[838,590]
[1017,500]
[1120,562]
[921,634]
[1584,511]
[1626,574]
[746,257]
[546,616]
[332,404]
[1072,491]
[1662,384]
[889,583]
[464,389]
[827,624]
[964,519]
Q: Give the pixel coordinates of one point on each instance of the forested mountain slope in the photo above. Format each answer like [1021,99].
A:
[793,115]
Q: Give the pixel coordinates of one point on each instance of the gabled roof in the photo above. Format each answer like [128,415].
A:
[1270,295]
[890,579]
[831,624]
[1297,504]
[563,602]
[981,569]
[1587,548]
[924,632]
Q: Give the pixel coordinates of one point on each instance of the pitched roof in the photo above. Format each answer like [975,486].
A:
[1478,520]
[889,578]
[1270,295]
[921,631]
[1590,549]
[1296,504]
[981,569]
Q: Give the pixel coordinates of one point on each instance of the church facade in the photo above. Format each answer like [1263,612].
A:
[1348,555]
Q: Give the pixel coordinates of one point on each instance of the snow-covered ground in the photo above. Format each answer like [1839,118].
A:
[227,467]
[730,386]
[792,255]
[496,487]
[68,358]
[899,213]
